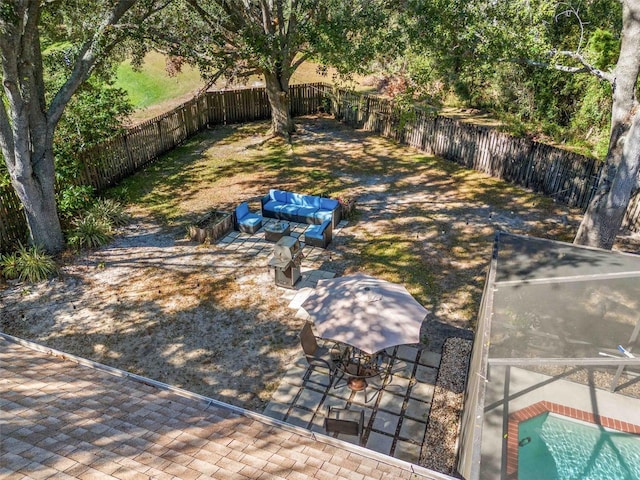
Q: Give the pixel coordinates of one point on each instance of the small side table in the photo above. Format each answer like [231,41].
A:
[275,231]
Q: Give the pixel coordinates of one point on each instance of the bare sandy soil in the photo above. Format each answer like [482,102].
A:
[209,319]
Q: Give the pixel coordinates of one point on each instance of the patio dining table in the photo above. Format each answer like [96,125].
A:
[359,367]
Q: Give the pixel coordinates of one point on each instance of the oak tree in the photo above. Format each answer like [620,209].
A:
[89,31]
[272,38]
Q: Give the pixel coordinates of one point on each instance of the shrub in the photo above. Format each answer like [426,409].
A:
[31,264]
[9,266]
[34,264]
[74,199]
[109,211]
[90,232]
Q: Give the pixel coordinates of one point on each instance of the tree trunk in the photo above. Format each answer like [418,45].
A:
[278,94]
[603,218]
[37,194]
[26,124]
[605,214]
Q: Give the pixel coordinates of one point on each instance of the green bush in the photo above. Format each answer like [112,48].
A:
[109,211]
[74,200]
[90,232]
[31,264]
[9,266]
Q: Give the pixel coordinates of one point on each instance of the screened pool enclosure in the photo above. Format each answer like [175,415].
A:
[557,331]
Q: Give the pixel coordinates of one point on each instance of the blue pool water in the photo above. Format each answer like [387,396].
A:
[554,447]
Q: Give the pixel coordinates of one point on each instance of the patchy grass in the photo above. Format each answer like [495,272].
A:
[429,224]
[208,318]
[151,84]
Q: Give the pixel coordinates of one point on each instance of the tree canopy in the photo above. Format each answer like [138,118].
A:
[567,66]
[85,32]
[236,39]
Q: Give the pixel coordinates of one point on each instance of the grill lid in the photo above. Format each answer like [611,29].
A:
[285,252]
[280,262]
[286,248]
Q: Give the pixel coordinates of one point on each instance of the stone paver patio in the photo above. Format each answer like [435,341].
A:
[257,246]
[396,418]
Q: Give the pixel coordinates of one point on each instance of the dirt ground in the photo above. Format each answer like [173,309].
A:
[209,319]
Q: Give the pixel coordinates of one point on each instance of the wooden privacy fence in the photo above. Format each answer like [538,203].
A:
[567,177]
[125,154]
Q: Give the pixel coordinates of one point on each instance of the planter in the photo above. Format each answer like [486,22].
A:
[211,227]
[347,207]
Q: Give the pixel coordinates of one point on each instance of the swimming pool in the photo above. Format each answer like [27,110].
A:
[553,447]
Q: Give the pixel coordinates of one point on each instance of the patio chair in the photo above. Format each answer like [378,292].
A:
[316,355]
[246,221]
[341,420]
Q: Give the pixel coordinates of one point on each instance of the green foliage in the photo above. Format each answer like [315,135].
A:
[94,114]
[9,266]
[31,264]
[271,37]
[501,56]
[74,199]
[89,232]
[604,48]
[94,227]
[109,212]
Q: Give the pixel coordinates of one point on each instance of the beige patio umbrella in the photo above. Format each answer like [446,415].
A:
[365,312]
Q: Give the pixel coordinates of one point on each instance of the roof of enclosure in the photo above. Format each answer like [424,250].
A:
[554,300]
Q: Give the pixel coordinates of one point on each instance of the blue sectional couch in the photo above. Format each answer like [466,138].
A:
[300,208]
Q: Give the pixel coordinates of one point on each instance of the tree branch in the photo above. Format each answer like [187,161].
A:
[85,61]
[586,66]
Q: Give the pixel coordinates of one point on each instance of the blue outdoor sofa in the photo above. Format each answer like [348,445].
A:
[300,208]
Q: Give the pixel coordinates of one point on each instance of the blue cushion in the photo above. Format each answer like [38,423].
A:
[289,209]
[278,195]
[314,231]
[294,198]
[307,211]
[328,203]
[323,215]
[251,219]
[273,206]
[242,210]
[311,201]
[317,231]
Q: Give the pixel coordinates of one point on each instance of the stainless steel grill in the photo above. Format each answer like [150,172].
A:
[286,260]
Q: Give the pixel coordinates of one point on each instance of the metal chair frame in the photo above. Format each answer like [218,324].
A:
[351,423]
[316,355]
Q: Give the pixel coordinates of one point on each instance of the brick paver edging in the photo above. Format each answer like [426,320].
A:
[238,410]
